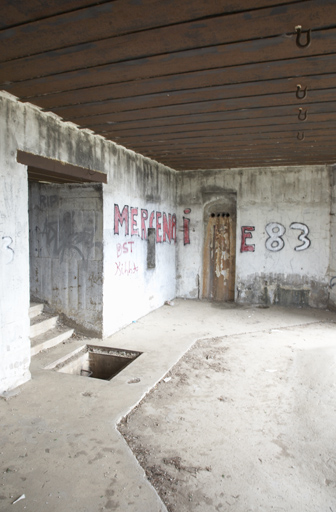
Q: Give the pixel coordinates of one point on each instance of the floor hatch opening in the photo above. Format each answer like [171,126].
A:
[95,362]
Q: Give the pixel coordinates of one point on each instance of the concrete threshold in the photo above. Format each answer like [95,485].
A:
[60,445]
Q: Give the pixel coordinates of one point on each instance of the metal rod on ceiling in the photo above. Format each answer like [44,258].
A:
[299,32]
[301,94]
[302,116]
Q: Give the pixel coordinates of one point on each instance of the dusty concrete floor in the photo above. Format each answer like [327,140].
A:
[246,422]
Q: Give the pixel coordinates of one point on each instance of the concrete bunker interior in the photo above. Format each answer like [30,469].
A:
[163,151]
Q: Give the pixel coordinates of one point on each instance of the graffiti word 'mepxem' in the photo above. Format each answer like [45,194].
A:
[136,223]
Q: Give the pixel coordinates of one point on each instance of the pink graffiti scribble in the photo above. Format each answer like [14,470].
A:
[126,269]
[123,249]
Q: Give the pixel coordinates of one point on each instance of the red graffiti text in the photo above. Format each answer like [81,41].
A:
[246,232]
[136,224]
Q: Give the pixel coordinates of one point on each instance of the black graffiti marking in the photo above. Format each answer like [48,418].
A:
[63,238]
[303,237]
[49,201]
[8,246]
[50,230]
[332,282]
[275,232]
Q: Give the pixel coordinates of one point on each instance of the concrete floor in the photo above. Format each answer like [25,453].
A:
[59,443]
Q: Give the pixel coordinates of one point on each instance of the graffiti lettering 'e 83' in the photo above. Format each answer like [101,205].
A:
[275,237]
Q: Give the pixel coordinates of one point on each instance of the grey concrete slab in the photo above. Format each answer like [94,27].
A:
[59,444]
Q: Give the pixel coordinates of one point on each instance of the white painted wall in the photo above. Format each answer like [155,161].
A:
[281,195]
[14,269]
[130,289]
[133,180]
[332,283]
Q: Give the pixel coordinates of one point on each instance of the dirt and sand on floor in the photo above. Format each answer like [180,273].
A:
[245,421]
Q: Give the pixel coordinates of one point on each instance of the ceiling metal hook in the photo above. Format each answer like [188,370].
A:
[300,137]
[301,94]
[302,116]
[298,37]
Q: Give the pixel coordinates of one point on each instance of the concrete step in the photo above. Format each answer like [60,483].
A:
[35,309]
[50,339]
[41,324]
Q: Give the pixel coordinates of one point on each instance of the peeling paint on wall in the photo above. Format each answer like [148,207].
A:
[219,257]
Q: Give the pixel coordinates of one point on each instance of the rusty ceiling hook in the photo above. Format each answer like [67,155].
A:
[304,116]
[300,137]
[301,94]
[298,37]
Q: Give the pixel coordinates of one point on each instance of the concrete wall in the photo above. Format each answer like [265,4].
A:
[14,262]
[332,283]
[142,194]
[66,251]
[130,290]
[272,270]
[139,195]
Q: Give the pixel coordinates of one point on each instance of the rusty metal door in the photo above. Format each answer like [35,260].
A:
[219,258]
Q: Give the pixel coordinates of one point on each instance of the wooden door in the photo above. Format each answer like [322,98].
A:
[219,258]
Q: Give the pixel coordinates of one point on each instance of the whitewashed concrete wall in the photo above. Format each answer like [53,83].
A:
[332,283]
[133,180]
[277,195]
[66,251]
[14,263]
[25,127]
[137,188]
[130,289]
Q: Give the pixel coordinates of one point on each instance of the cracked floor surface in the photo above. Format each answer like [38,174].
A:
[244,422]
[241,417]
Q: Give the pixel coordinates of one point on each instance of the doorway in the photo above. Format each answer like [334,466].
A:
[66,239]
[219,254]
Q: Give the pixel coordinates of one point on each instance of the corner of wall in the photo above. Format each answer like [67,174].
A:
[332,263]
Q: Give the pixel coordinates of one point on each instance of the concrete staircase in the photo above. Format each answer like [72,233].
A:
[44,329]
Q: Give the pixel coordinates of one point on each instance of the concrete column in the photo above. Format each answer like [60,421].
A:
[14,257]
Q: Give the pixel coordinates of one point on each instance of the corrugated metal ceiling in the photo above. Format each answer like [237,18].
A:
[202,84]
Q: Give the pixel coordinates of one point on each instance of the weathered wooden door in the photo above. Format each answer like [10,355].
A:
[219,258]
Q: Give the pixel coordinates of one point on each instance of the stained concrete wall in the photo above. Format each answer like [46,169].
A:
[66,251]
[292,270]
[14,262]
[140,195]
[332,283]
[25,127]
[129,290]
